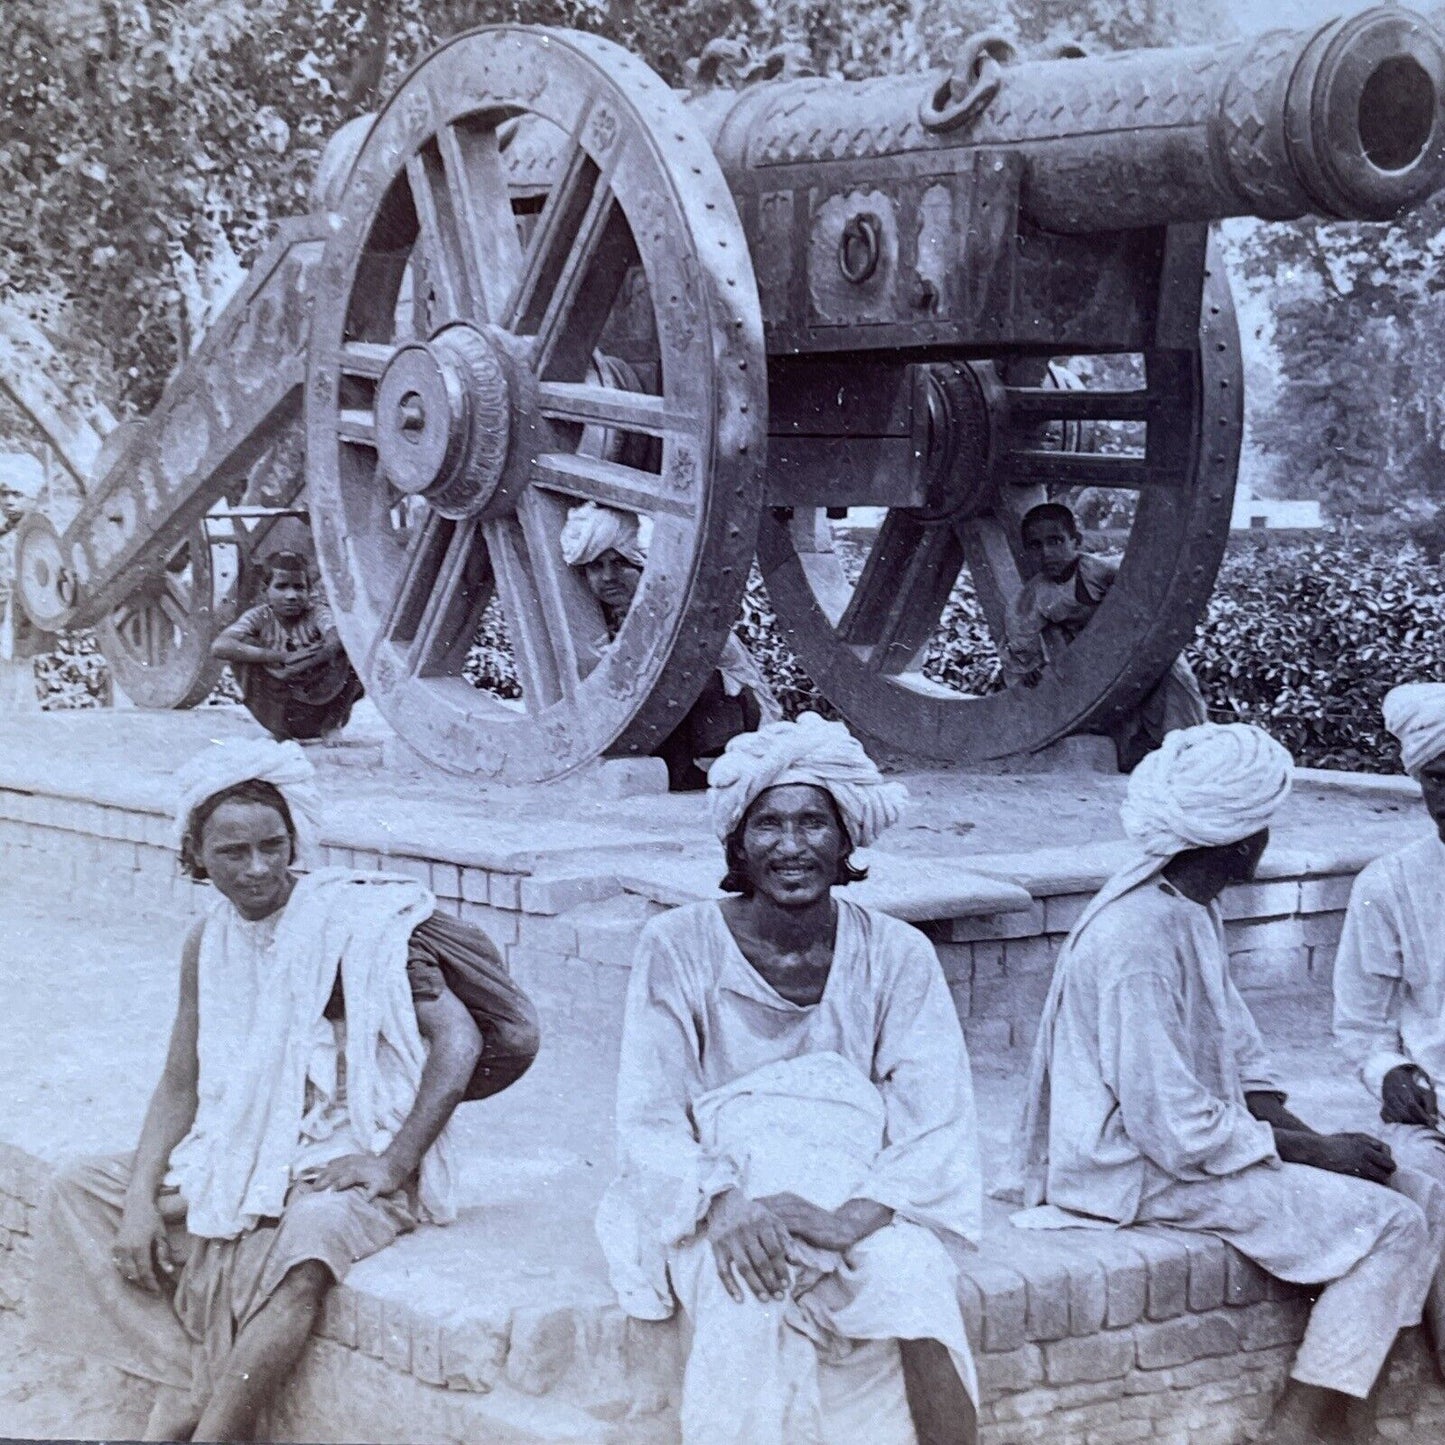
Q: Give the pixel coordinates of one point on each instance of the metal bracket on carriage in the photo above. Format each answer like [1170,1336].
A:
[963,95]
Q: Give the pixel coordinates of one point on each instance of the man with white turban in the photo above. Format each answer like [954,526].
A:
[1150,1098]
[606,546]
[301,1122]
[796,1130]
[1390,967]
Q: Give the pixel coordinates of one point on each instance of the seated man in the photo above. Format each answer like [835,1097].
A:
[295,679]
[1053,608]
[1150,1098]
[302,1120]
[1390,968]
[796,1126]
[603,544]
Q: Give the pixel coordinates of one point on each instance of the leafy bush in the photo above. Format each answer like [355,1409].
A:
[1306,639]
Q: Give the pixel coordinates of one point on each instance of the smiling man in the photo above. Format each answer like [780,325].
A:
[301,1122]
[1390,968]
[1066,588]
[796,1125]
[605,546]
[1150,1098]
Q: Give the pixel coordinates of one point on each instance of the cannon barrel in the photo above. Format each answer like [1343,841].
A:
[1343,121]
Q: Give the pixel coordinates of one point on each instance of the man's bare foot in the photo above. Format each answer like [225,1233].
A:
[1312,1415]
[174,1415]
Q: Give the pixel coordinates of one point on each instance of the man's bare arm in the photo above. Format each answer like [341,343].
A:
[141,1242]
[838,1229]
[1267,1105]
[454,1047]
[1360,1155]
[232,649]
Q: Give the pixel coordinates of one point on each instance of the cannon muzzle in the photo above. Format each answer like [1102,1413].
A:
[1359,132]
[1343,121]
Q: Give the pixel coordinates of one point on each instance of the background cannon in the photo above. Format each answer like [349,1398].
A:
[540,276]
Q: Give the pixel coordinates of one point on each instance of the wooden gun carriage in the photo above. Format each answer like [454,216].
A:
[539,275]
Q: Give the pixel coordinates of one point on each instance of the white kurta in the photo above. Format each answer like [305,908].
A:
[1153,1051]
[699,1019]
[1151,1054]
[1390,967]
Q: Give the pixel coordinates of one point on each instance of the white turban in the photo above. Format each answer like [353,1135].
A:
[591,530]
[283,765]
[1205,787]
[809,750]
[1415,713]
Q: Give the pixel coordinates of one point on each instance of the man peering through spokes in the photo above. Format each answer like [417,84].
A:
[605,545]
[1054,606]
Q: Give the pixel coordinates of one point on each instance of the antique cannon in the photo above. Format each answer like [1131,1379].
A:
[540,275]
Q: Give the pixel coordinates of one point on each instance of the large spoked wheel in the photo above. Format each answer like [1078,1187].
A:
[865,634]
[459,399]
[157,643]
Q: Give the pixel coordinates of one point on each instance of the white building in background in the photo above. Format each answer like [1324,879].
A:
[22,472]
[1272,514]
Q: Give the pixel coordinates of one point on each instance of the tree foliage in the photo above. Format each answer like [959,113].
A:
[147,147]
[1358,312]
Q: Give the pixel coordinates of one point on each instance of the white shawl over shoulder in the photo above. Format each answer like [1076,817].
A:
[262,999]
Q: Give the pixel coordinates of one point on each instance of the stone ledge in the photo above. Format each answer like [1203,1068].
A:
[1044,1309]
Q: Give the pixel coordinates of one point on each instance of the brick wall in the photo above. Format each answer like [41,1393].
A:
[568,937]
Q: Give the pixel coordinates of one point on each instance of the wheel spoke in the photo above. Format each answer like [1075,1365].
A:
[151,622]
[365,358]
[1080,469]
[552,240]
[425,551]
[454,606]
[1034,404]
[526,624]
[439,235]
[596,480]
[490,247]
[900,596]
[572,616]
[356,425]
[993,565]
[610,406]
[176,603]
[586,291]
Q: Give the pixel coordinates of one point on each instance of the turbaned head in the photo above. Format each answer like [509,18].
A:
[1206,787]
[809,750]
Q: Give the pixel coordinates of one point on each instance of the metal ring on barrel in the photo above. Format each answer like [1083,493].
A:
[453,377]
[863,645]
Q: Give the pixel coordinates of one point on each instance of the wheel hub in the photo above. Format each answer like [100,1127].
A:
[443,421]
[959,448]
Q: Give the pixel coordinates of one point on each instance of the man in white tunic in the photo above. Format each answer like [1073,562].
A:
[303,1118]
[1390,968]
[1150,1098]
[796,1126]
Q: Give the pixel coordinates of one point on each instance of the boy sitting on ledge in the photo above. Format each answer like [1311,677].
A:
[286,654]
